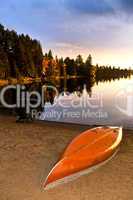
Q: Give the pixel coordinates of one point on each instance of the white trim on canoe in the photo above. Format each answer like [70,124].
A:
[86,171]
[75,176]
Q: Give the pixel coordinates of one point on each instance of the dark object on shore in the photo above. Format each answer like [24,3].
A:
[22,116]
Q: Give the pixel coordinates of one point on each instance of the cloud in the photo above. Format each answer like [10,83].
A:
[126,5]
[39,4]
[70,27]
[95,7]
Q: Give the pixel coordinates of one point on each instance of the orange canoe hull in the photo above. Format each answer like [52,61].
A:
[85,151]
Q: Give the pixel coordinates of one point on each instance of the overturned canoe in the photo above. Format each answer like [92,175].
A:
[88,150]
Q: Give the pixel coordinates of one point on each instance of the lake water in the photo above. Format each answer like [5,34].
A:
[107,103]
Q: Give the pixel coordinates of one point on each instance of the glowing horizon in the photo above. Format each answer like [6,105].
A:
[98,57]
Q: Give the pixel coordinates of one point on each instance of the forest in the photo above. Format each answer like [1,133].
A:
[19,55]
[78,68]
[22,56]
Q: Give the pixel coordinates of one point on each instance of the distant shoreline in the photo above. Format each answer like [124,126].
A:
[28,80]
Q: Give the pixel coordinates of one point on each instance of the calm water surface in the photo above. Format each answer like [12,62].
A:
[108,103]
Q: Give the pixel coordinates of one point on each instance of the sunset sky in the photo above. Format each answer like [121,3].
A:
[103,28]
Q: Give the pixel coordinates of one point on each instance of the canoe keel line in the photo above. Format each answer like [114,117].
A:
[87,152]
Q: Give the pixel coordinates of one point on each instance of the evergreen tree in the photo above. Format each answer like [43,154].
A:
[50,55]
[19,54]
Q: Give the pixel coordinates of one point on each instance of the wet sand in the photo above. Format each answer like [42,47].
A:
[29,150]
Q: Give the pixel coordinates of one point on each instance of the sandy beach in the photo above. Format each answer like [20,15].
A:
[29,150]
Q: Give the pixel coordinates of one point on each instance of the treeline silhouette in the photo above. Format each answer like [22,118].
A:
[22,56]
[19,54]
[59,66]
[105,73]
[78,68]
